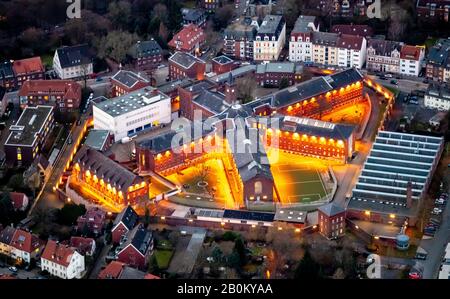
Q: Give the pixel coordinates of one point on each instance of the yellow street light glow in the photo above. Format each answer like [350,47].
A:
[392,216]
[367,213]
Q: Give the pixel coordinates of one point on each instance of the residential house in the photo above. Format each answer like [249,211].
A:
[124,82]
[7,78]
[383,56]
[300,43]
[6,237]
[437,96]
[182,65]
[28,69]
[146,55]
[125,221]
[194,16]
[272,74]
[64,95]
[270,39]
[84,246]
[62,261]
[136,247]
[411,58]
[93,221]
[188,40]
[239,37]
[19,200]
[438,61]
[73,62]
[25,246]
[433,10]
[331,221]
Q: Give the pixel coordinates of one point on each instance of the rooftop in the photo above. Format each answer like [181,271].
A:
[305,24]
[65,88]
[271,25]
[289,215]
[360,30]
[97,139]
[58,253]
[248,215]
[74,55]
[128,217]
[185,60]
[146,48]
[130,102]
[128,78]
[31,123]
[223,59]
[28,66]
[331,209]
[276,67]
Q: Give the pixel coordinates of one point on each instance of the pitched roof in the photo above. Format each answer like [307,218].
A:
[272,25]
[131,273]
[331,209]
[25,241]
[128,78]
[140,238]
[83,245]
[58,253]
[187,38]
[303,24]
[74,55]
[347,41]
[28,66]
[105,168]
[128,217]
[151,276]
[324,38]
[192,14]
[184,60]
[65,88]
[360,30]
[112,270]
[18,199]
[7,234]
[223,59]
[276,67]
[144,49]
[410,52]
[439,54]
[384,47]
[313,127]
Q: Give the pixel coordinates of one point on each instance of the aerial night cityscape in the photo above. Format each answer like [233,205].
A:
[173,140]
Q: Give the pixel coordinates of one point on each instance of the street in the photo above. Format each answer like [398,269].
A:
[406,85]
[22,274]
[436,247]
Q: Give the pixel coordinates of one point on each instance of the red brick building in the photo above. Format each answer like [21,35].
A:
[124,82]
[273,74]
[189,40]
[183,65]
[124,222]
[331,221]
[93,221]
[136,248]
[223,64]
[28,69]
[65,95]
[106,178]
[146,55]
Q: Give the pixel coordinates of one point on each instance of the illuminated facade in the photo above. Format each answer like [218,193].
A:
[104,177]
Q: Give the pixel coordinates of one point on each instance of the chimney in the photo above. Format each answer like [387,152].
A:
[409,195]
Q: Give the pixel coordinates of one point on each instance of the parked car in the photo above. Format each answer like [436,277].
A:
[388,75]
[13,269]
[414,102]
[394,82]
[415,275]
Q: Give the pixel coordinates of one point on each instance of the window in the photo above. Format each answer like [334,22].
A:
[258,187]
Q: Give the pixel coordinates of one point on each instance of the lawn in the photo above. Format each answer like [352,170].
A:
[299,181]
[163,258]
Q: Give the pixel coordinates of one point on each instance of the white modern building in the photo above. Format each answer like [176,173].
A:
[73,62]
[62,261]
[437,97]
[132,113]
[411,58]
[270,39]
[300,45]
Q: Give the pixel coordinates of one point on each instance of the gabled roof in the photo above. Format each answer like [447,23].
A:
[144,49]
[353,42]
[271,26]
[104,168]
[139,238]
[7,234]
[128,217]
[74,56]
[25,241]
[187,38]
[128,78]
[65,88]
[82,245]
[410,52]
[58,253]
[331,209]
[28,66]
[112,270]
[304,24]
[185,60]
[384,47]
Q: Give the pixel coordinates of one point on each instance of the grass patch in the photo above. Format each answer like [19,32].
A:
[163,258]
[392,252]
[47,60]
[164,245]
